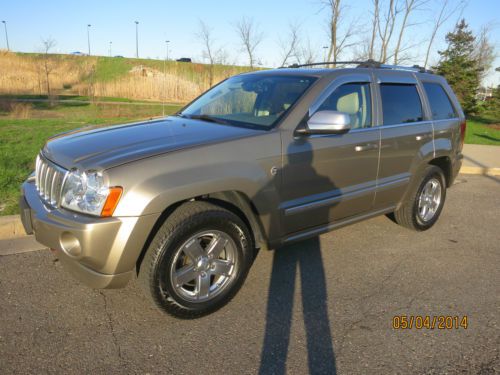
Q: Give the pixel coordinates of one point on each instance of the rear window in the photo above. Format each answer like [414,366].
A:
[400,103]
[439,101]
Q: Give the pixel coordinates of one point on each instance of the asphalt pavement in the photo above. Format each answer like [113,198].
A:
[320,306]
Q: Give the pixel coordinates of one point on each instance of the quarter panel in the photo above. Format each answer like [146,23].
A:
[403,147]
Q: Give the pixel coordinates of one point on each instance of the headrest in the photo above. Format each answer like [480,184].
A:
[348,103]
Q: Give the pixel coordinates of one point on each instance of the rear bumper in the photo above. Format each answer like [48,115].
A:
[100,252]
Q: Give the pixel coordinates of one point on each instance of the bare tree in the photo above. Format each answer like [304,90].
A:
[250,38]
[204,34]
[289,45]
[338,41]
[410,6]
[389,23]
[47,45]
[375,25]
[444,15]
[484,51]
[305,52]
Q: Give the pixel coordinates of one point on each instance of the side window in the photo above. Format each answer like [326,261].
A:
[400,103]
[439,101]
[353,99]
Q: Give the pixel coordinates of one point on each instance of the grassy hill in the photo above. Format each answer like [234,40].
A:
[143,79]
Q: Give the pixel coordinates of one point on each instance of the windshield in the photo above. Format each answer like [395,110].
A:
[252,100]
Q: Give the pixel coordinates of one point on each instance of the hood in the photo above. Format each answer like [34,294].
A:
[114,145]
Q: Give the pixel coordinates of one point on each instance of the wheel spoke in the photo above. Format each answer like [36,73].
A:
[202,286]
[424,211]
[216,246]
[222,267]
[193,250]
[184,275]
[434,188]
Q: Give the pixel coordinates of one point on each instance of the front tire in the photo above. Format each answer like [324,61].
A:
[421,211]
[197,261]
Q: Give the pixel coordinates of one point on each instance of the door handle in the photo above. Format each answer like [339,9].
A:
[366,147]
[422,137]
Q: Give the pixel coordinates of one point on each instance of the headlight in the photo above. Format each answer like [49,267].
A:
[85,192]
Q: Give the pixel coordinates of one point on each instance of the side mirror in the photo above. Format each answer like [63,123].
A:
[327,122]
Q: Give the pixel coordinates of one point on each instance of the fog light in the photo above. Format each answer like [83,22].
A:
[70,244]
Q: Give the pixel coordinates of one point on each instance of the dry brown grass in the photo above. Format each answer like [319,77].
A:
[16,110]
[77,75]
[22,74]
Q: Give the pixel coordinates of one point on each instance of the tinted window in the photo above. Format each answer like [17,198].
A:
[440,103]
[353,99]
[400,103]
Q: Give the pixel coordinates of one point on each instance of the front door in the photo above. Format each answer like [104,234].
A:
[330,177]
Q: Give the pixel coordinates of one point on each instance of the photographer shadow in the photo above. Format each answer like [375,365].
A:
[306,257]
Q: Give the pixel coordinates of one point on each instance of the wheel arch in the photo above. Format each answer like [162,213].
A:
[444,163]
[234,201]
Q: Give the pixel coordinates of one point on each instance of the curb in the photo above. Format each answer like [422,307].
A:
[11,226]
[485,171]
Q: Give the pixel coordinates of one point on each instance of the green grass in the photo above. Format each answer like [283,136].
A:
[482,132]
[21,140]
[111,68]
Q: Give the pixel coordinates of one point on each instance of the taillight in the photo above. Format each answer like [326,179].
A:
[463,126]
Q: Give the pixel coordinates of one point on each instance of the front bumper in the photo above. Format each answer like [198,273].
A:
[100,252]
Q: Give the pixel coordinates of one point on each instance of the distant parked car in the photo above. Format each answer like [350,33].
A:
[78,53]
[120,56]
[184,59]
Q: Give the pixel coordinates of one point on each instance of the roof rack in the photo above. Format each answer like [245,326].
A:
[367,64]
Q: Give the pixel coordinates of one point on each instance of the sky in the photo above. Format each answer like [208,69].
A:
[28,21]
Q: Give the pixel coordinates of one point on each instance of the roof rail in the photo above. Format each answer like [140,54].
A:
[414,68]
[367,64]
[361,64]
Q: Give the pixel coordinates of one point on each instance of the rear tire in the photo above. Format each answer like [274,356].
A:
[197,261]
[421,211]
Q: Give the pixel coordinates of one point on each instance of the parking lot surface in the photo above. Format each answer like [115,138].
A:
[320,306]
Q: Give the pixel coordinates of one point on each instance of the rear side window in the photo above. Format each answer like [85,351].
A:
[400,103]
[439,101]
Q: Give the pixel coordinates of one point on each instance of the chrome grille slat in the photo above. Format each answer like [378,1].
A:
[37,171]
[49,179]
[42,179]
[53,181]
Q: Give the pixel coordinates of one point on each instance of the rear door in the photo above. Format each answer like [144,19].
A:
[406,134]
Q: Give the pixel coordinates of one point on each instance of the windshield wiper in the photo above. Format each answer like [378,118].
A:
[206,118]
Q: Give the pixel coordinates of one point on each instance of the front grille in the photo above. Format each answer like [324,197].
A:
[48,180]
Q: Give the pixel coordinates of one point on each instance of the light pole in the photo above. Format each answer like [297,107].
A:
[88,36]
[166,42]
[110,43]
[6,36]
[136,39]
